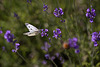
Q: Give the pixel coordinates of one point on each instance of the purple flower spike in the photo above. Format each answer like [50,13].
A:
[62,21]
[3,48]
[16,47]
[57,33]
[62,61]
[58,12]
[57,54]
[95,44]
[95,38]
[9,36]
[44,32]
[44,62]
[60,58]
[46,47]
[13,50]
[29,1]
[0,31]
[49,40]
[45,7]
[77,51]
[73,44]
[53,57]
[47,56]
[91,14]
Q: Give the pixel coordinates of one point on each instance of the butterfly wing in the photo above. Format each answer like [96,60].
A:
[31,28]
[29,34]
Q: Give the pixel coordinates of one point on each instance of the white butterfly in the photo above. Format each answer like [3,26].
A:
[32,30]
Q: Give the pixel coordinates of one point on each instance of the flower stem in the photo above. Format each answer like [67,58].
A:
[92,55]
[68,57]
[54,63]
[21,57]
[58,4]
[78,56]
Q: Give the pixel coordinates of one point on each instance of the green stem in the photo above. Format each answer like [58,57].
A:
[68,57]
[21,57]
[54,63]
[58,4]
[78,56]
[92,55]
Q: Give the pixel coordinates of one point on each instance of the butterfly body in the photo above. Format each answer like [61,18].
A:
[32,30]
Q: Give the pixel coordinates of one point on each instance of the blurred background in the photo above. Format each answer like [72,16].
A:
[15,13]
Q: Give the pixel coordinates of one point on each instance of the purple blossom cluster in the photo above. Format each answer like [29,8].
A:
[16,47]
[63,20]
[1,32]
[73,44]
[57,33]
[60,58]
[47,56]
[44,32]
[46,47]
[95,38]
[16,15]
[91,14]
[44,62]
[45,7]
[9,36]
[29,1]
[3,48]
[58,12]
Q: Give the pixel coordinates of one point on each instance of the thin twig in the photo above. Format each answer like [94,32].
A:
[21,57]
[53,63]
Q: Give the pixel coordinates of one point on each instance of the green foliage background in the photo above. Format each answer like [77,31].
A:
[76,25]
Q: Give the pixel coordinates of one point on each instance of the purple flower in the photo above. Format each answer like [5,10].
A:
[62,20]
[49,40]
[44,62]
[53,57]
[0,31]
[16,47]
[60,58]
[47,56]
[95,44]
[46,47]
[56,33]
[45,7]
[9,36]
[62,61]
[3,48]
[91,14]
[44,32]
[29,1]
[77,51]
[57,54]
[73,43]
[16,15]
[58,12]
[95,38]
[13,50]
